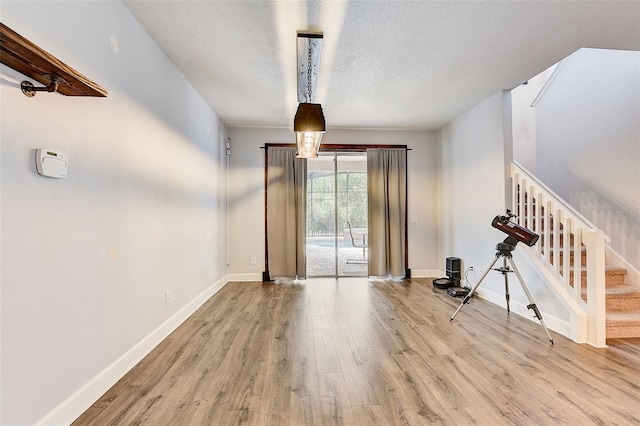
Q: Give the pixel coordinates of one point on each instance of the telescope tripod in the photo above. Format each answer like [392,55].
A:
[504,250]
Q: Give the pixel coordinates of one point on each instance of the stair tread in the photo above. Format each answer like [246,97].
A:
[618,291]
[615,269]
[623,290]
[623,318]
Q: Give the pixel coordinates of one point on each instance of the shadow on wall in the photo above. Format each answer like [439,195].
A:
[621,224]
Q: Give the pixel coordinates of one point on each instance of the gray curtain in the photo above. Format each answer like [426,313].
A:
[387,188]
[286,213]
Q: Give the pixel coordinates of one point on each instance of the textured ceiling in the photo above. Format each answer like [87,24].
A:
[384,64]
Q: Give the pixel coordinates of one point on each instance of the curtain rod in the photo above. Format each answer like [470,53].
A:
[341,147]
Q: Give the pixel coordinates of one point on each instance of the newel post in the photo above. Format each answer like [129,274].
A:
[596,297]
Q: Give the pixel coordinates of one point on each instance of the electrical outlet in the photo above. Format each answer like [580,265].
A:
[253,260]
[167,297]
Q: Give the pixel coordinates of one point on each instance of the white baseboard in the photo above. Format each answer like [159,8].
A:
[415,273]
[426,273]
[245,277]
[76,404]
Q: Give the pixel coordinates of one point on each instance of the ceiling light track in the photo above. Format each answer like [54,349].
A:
[308,124]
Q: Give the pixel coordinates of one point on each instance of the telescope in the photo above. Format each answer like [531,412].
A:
[516,234]
[513,230]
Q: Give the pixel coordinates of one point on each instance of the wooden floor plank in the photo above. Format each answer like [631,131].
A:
[357,376]
[335,408]
[365,352]
[326,355]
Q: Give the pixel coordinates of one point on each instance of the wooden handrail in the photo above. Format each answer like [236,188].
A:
[29,59]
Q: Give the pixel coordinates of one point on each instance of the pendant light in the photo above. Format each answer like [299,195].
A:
[308,124]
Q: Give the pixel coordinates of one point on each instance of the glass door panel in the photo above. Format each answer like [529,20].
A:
[321,216]
[337,237]
[351,212]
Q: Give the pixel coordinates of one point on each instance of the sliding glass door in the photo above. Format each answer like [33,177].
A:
[337,239]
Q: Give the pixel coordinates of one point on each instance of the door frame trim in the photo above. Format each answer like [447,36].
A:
[338,148]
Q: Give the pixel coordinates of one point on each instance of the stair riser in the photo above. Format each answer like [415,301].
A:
[583,258]
[623,304]
[543,239]
[534,224]
[627,331]
[610,280]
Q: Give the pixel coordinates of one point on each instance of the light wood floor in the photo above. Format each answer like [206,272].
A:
[356,352]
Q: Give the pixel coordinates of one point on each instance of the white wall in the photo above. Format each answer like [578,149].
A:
[86,261]
[524,118]
[474,154]
[588,147]
[246,194]
[472,183]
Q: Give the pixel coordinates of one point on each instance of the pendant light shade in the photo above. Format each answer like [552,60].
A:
[309,122]
[309,126]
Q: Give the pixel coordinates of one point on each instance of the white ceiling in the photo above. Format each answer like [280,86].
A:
[384,64]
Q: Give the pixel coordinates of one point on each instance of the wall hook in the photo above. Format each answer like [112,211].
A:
[30,90]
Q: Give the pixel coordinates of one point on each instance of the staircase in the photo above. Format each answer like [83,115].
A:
[622,300]
[571,255]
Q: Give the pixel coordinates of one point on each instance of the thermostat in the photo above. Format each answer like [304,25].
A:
[51,163]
